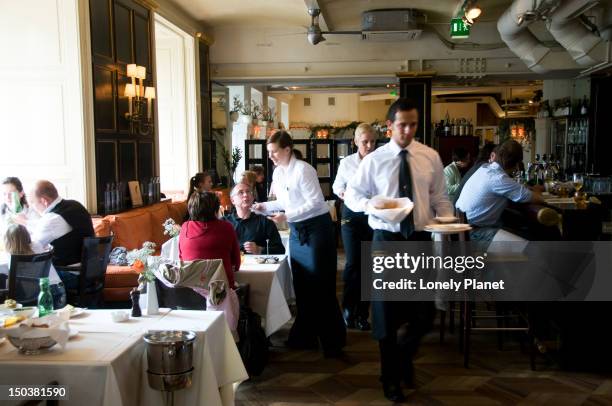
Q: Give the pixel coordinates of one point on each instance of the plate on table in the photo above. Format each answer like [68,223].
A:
[447,228]
[2,340]
[4,309]
[446,219]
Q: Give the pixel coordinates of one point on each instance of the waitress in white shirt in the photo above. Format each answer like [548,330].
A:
[313,253]
[355,229]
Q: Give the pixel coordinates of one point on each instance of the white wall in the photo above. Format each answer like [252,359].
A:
[346,108]
[44,132]
[559,88]
[374,110]
[177,117]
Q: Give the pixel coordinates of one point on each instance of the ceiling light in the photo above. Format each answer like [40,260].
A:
[473,13]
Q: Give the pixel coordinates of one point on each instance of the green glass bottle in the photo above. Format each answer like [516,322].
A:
[17,208]
[45,300]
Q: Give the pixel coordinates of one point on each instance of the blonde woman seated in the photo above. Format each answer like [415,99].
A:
[17,241]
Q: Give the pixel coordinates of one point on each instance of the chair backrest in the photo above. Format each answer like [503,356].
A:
[25,272]
[179,298]
[94,260]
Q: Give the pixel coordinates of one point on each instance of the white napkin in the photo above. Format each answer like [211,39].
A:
[404,207]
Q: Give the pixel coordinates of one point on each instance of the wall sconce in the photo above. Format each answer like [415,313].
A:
[137,94]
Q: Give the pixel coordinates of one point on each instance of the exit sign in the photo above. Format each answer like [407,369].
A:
[459,29]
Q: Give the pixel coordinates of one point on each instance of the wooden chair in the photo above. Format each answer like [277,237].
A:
[92,271]
[25,271]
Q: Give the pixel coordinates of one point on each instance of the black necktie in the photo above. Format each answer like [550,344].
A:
[405,190]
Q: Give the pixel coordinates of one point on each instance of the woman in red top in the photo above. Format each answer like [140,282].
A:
[204,236]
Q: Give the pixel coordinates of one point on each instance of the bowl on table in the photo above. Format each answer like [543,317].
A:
[33,344]
[391,210]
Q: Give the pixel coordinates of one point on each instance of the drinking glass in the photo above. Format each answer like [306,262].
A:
[578,181]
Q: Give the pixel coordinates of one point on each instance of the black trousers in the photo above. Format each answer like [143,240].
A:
[400,325]
[313,265]
[355,229]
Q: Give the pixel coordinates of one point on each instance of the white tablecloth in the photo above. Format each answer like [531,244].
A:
[106,363]
[269,288]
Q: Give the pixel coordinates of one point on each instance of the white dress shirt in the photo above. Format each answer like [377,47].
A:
[50,226]
[346,170]
[297,192]
[378,174]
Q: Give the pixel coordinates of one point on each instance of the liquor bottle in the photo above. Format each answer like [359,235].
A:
[113,198]
[151,192]
[584,109]
[45,300]
[107,198]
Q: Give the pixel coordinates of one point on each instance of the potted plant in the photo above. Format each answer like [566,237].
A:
[235,113]
[255,111]
[245,112]
[267,116]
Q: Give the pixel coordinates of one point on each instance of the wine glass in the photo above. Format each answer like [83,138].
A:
[578,181]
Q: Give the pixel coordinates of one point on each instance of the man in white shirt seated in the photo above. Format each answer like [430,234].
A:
[63,224]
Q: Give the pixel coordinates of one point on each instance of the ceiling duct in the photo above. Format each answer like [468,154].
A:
[564,24]
[390,25]
[513,29]
[586,48]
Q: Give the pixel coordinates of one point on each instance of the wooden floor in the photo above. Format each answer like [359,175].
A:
[494,378]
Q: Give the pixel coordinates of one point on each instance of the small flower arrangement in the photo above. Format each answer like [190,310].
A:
[171,229]
[140,261]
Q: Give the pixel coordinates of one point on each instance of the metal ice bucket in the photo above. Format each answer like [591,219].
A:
[170,358]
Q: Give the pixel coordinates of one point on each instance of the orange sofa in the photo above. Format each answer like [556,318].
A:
[131,229]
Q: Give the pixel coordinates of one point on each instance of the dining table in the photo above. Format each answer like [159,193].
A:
[105,363]
[270,287]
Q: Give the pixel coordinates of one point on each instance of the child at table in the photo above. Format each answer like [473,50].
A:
[17,241]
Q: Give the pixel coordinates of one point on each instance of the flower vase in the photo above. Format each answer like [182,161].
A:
[148,300]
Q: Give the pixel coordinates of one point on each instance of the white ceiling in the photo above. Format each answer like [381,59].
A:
[346,14]
[246,12]
[338,14]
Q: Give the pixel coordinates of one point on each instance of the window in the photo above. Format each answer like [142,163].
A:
[306,101]
[331,101]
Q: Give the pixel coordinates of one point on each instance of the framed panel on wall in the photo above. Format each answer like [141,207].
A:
[100,20]
[104,100]
[106,170]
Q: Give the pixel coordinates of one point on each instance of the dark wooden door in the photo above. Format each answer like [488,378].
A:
[121,33]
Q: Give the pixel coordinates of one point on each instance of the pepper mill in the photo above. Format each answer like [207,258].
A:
[135,295]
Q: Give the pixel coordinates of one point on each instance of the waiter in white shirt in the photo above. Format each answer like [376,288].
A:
[402,168]
[355,229]
[313,253]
